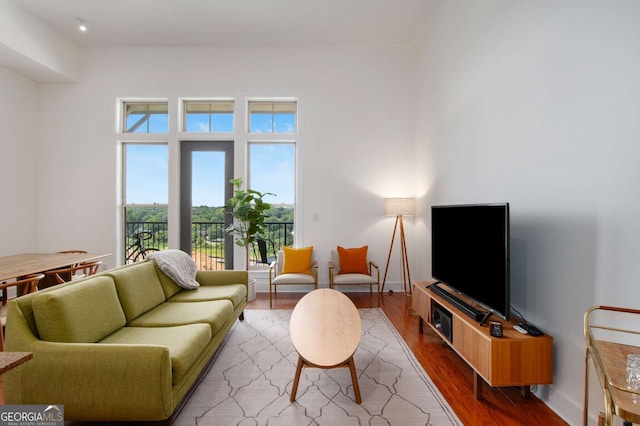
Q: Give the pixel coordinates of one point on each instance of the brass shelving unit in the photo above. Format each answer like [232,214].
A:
[609,342]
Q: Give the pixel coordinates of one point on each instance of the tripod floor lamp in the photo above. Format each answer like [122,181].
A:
[399,207]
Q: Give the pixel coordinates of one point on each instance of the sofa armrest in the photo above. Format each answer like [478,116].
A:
[95,381]
[222,277]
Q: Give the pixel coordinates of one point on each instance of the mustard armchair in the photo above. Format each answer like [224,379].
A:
[293,266]
[357,269]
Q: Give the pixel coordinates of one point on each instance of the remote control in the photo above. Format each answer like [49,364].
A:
[529,329]
[519,329]
[533,330]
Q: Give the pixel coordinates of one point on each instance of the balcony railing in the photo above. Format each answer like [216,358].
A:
[207,241]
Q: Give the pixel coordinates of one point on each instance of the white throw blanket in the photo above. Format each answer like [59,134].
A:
[178,266]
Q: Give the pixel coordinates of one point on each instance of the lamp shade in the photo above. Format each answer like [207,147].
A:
[399,206]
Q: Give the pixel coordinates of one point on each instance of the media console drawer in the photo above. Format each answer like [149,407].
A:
[512,360]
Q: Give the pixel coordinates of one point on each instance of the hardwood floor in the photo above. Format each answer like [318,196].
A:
[501,406]
[452,376]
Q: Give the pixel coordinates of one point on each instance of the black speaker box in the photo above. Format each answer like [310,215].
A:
[442,320]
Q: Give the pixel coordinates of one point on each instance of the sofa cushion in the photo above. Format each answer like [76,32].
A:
[214,312]
[139,288]
[354,279]
[185,343]
[294,279]
[236,293]
[80,313]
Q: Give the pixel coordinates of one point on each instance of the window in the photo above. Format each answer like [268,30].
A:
[202,116]
[145,117]
[267,128]
[146,173]
[145,197]
[272,117]
[272,168]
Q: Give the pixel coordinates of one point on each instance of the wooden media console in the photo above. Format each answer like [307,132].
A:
[511,360]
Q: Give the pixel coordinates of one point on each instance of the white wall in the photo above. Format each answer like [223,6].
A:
[18,162]
[531,102]
[537,103]
[356,121]
[29,47]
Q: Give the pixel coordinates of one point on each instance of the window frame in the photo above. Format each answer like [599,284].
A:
[173,139]
[273,102]
[122,114]
[123,205]
[183,115]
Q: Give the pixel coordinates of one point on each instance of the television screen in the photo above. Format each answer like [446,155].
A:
[470,252]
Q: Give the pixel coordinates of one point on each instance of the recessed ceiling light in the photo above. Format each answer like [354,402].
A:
[82,24]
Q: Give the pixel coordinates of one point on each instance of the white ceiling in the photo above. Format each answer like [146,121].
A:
[233,23]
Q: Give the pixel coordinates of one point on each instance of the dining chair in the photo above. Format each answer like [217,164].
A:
[74,272]
[25,285]
[351,266]
[73,252]
[50,278]
[293,266]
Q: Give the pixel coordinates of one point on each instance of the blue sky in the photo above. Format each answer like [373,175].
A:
[271,165]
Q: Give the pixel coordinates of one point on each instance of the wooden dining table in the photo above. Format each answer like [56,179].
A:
[19,265]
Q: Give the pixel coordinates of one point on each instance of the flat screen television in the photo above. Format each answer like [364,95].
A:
[470,253]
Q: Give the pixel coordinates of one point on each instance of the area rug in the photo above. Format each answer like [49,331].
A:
[251,378]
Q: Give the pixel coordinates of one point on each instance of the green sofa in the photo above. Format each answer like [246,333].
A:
[127,344]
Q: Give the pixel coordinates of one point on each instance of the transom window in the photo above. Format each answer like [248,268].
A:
[145,117]
[272,116]
[204,116]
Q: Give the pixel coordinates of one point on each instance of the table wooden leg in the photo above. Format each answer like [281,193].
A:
[294,388]
[477,386]
[354,379]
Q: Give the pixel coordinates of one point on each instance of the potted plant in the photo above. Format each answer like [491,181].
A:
[248,209]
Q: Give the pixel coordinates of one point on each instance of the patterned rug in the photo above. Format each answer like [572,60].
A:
[251,378]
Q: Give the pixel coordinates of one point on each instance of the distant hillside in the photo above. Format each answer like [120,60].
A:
[201,214]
